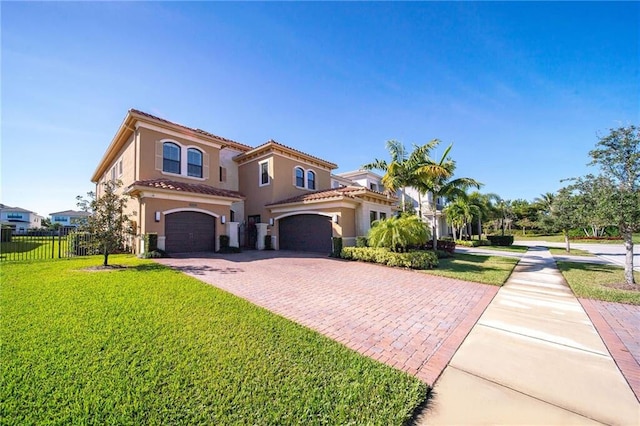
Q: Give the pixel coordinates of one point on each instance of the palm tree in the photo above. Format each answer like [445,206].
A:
[544,201]
[441,185]
[459,214]
[405,169]
[483,203]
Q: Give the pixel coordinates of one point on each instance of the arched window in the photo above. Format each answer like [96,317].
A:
[171,158]
[194,162]
[311,180]
[299,177]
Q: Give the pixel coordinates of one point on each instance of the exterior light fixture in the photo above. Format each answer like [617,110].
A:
[271,221]
[157,216]
[223,219]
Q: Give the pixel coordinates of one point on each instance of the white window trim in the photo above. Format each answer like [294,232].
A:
[268,163]
[315,179]
[184,160]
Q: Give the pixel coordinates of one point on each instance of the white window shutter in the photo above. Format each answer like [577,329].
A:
[205,165]
[159,155]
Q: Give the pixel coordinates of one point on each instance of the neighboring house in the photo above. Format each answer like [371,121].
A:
[69,218]
[432,213]
[190,186]
[19,219]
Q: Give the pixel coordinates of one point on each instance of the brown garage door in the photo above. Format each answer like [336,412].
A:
[189,232]
[306,232]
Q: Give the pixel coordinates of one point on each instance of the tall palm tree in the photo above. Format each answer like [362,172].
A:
[441,185]
[402,171]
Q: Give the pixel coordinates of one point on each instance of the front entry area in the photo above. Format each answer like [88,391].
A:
[306,232]
[188,232]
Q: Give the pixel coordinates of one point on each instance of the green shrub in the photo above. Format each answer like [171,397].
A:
[362,242]
[150,242]
[446,245]
[500,240]
[154,254]
[468,243]
[398,233]
[443,254]
[485,242]
[224,242]
[383,256]
[336,246]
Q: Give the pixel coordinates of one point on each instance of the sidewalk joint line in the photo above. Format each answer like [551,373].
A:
[527,395]
[548,341]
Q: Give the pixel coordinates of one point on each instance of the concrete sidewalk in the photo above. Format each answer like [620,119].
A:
[533,357]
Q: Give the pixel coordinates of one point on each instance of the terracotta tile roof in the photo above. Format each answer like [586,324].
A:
[195,188]
[272,142]
[199,131]
[346,191]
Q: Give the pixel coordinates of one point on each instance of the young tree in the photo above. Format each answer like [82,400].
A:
[563,214]
[108,223]
[618,155]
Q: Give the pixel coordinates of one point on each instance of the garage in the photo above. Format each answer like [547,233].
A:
[306,232]
[189,232]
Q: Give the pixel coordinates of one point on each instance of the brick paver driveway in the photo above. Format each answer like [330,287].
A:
[407,319]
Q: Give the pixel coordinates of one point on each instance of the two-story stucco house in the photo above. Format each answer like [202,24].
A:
[69,218]
[190,186]
[21,220]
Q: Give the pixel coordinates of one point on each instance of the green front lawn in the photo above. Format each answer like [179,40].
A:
[149,345]
[511,248]
[594,281]
[477,268]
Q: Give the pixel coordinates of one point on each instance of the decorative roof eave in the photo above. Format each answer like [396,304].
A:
[163,186]
[316,201]
[273,147]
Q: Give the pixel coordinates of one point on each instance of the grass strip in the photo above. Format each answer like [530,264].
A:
[493,270]
[599,282]
[149,345]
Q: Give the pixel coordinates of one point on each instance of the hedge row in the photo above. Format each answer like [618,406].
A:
[473,243]
[412,259]
[500,240]
[445,245]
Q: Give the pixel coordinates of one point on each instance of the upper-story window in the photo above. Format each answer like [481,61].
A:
[311,180]
[194,162]
[171,158]
[264,173]
[299,177]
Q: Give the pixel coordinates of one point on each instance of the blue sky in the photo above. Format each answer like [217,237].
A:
[521,89]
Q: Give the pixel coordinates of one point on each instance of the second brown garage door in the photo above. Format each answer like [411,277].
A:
[189,232]
[306,232]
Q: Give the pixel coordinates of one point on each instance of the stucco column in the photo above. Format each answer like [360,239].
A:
[233,229]
[261,229]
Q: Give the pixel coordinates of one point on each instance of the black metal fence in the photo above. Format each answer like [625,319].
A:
[33,245]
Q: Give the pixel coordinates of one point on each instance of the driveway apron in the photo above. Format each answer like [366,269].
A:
[407,319]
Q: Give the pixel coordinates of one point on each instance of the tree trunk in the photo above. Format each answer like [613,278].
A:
[420,205]
[435,233]
[628,260]
[566,240]
[404,200]
[453,228]
[502,225]
[479,229]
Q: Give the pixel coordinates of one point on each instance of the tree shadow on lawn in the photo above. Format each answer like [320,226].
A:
[467,263]
[206,270]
